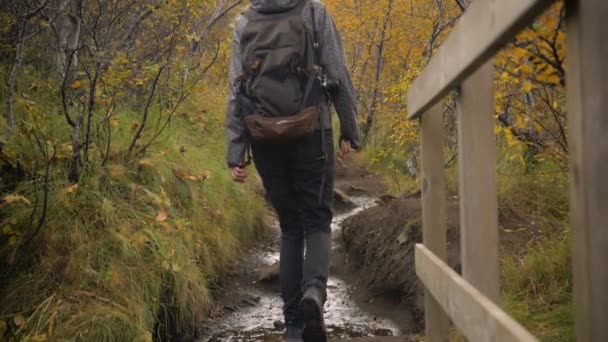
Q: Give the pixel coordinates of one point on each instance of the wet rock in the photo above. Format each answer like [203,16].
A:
[279,325]
[355,189]
[342,200]
[268,273]
[231,308]
[251,300]
[386,198]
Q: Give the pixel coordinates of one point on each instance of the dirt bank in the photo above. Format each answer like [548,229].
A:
[379,247]
[380,250]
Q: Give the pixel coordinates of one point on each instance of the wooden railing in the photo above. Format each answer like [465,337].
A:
[464,64]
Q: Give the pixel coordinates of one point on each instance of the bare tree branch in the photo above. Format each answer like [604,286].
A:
[128,36]
[146,110]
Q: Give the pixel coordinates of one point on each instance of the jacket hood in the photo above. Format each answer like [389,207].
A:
[272,6]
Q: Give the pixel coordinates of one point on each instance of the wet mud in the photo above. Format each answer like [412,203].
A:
[250,309]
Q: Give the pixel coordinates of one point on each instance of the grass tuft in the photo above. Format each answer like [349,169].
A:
[130,252]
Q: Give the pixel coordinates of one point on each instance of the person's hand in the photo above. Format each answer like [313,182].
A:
[238,174]
[345,148]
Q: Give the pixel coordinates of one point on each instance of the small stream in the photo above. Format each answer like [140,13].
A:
[256,321]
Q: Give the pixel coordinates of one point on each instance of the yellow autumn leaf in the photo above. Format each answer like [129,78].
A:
[184,174]
[206,175]
[520,121]
[526,69]
[555,79]
[519,52]
[13,198]
[497,129]
[527,86]
[70,189]
[145,164]
[77,84]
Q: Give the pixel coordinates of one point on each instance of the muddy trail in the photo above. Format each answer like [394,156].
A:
[248,304]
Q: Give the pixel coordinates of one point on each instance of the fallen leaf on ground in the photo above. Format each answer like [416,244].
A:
[145,164]
[71,189]
[162,216]
[12,198]
[18,320]
[206,175]
[184,174]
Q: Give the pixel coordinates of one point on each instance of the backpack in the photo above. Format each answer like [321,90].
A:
[280,76]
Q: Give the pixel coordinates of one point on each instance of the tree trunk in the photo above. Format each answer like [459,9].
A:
[69,37]
[12,80]
[91,109]
[76,165]
[379,67]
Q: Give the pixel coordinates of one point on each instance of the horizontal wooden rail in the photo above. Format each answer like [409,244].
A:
[473,313]
[479,34]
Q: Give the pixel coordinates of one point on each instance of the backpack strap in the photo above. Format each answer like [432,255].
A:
[316,55]
[317,61]
[315,36]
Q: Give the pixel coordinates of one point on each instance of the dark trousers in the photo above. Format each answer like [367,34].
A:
[292,173]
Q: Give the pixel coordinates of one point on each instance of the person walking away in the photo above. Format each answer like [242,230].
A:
[287,65]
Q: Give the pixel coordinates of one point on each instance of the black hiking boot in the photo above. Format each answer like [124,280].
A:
[312,307]
[293,333]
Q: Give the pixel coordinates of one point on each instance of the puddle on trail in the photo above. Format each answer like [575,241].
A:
[343,318]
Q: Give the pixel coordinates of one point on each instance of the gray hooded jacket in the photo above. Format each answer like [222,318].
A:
[332,59]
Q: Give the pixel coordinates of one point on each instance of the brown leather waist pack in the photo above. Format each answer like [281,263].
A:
[264,128]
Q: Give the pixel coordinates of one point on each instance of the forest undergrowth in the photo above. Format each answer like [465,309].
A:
[117,213]
[130,251]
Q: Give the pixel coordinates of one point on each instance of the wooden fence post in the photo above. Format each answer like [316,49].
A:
[477,165]
[588,127]
[434,212]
